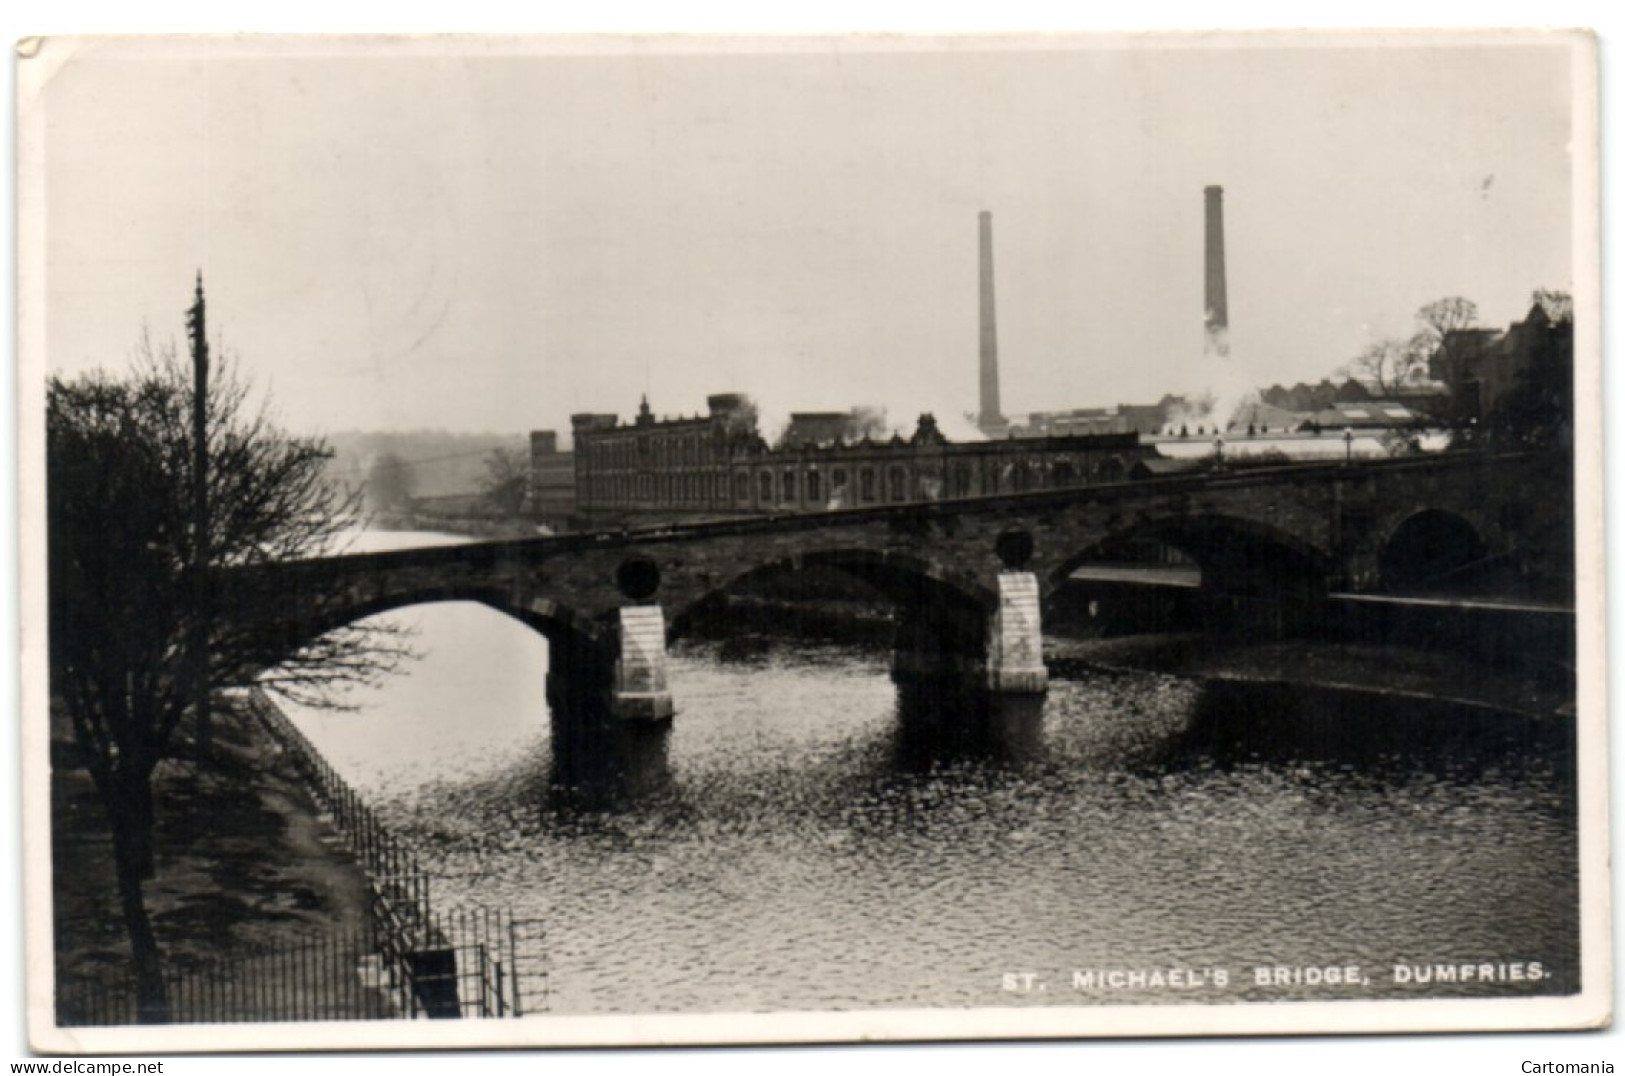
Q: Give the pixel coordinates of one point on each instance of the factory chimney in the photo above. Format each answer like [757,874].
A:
[990,419]
[1217,317]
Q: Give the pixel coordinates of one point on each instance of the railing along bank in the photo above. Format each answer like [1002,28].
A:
[406,959]
[462,962]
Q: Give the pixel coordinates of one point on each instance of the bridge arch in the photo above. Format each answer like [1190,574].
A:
[1255,578]
[1233,552]
[1427,547]
[938,612]
[907,581]
[568,631]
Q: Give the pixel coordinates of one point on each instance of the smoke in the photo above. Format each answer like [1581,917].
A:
[1228,387]
[1221,400]
[957,425]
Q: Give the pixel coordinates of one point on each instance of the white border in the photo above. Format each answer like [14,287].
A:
[1361,1016]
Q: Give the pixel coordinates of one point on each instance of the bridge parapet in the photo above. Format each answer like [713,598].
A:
[1277,534]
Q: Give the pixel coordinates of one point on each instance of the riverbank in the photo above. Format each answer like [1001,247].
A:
[1362,667]
[245,862]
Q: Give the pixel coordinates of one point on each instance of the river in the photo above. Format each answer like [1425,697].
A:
[807,837]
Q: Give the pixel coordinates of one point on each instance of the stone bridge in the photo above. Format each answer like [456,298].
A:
[969,578]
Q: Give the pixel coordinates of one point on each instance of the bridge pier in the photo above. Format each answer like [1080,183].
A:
[638,688]
[1015,638]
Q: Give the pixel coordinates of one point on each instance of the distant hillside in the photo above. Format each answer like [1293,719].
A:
[442,464]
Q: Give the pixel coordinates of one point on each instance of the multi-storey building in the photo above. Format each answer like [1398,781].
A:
[718,464]
[551,496]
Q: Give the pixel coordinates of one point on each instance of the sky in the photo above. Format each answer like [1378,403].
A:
[485,238]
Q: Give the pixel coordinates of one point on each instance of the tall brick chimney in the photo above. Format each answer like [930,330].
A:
[990,419]
[1217,316]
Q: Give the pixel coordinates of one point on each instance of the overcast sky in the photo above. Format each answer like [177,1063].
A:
[477,239]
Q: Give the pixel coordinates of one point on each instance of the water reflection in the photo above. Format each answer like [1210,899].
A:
[1240,724]
[806,834]
[602,764]
[944,724]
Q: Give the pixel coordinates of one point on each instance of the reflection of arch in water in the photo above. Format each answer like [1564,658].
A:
[1365,734]
[1429,548]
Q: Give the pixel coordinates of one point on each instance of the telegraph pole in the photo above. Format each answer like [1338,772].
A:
[199,642]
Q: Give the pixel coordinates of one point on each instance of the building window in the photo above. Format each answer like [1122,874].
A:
[1064,474]
[742,488]
[789,487]
[813,492]
[837,482]
[866,484]
[765,488]
[898,482]
[961,481]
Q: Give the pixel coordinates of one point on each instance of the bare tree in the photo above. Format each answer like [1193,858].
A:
[507,480]
[1447,349]
[1558,305]
[1443,316]
[1537,411]
[122,552]
[1390,364]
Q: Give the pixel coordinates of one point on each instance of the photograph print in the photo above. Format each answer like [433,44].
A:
[607,540]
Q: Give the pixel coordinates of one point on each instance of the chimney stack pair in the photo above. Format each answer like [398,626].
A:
[1215,318]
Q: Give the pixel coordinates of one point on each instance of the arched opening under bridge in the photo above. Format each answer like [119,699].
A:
[1209,572]
[1430,551]
[936,626]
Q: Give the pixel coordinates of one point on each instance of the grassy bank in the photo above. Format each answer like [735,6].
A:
[244,863]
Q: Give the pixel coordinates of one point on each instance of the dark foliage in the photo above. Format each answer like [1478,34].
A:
[122,561]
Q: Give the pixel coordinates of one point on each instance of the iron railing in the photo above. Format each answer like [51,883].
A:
[409,960]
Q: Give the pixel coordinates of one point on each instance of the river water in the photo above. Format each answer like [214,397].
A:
[805,836]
